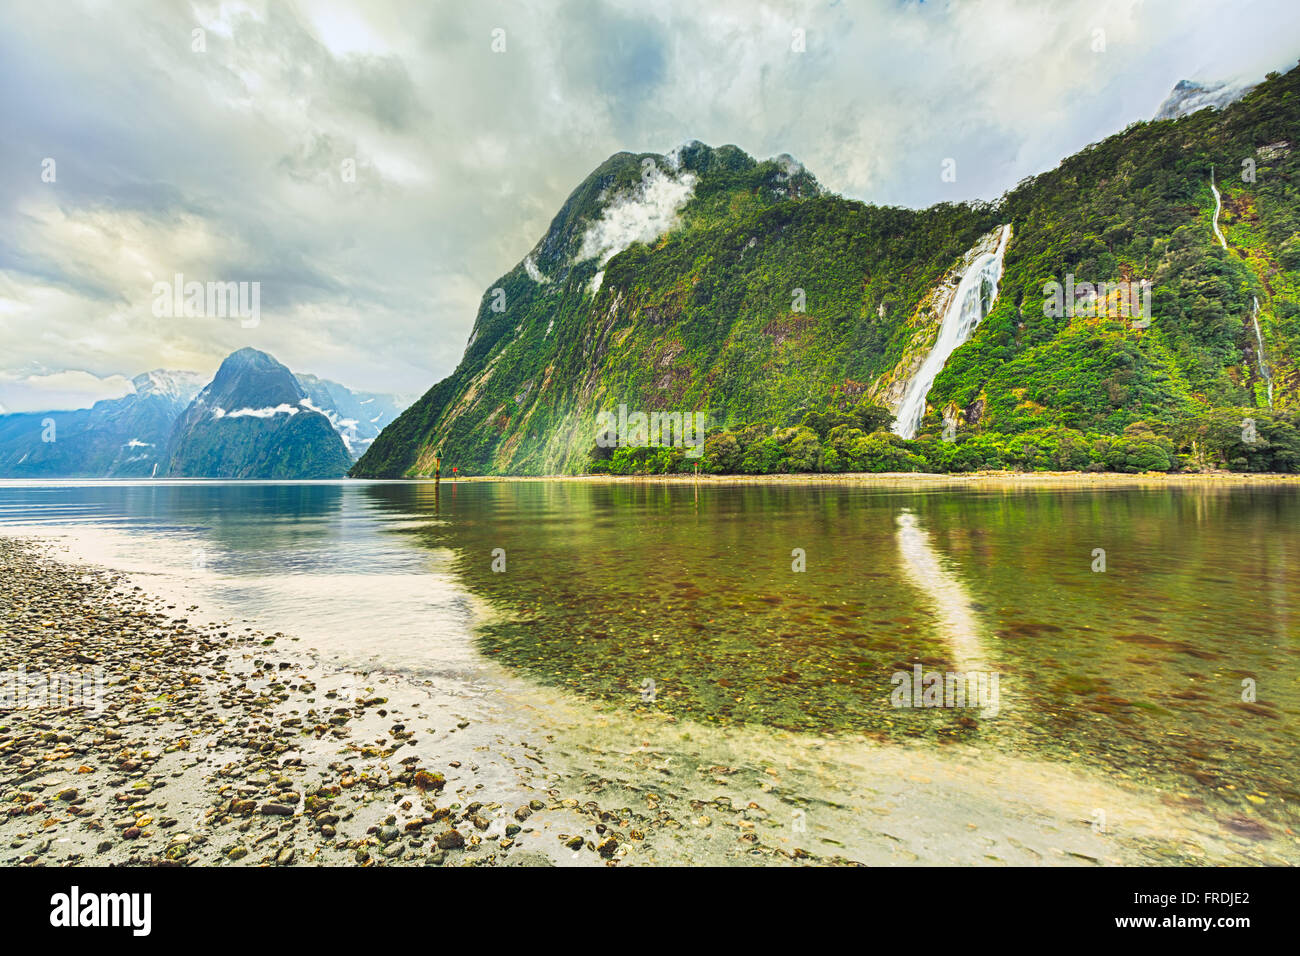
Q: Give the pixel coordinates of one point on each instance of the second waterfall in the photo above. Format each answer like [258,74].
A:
[974,298]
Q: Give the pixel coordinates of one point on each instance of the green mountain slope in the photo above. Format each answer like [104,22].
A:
[707,281]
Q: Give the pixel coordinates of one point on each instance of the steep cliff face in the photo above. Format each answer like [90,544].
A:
[706,281]
[761,298]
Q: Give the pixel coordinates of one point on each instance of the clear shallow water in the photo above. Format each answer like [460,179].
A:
[312,559]
[1136,672]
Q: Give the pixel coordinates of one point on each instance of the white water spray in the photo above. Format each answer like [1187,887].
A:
[972,301]
[1259,352]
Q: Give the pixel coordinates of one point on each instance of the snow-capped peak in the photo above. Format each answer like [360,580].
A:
[167,383]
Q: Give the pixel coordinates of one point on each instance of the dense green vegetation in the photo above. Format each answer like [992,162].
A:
[773,301]
[857,440]
[1138,205]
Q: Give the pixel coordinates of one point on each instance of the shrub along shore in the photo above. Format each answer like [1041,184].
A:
[1247,440]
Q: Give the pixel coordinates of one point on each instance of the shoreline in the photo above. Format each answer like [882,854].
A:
[212,743]
[222,744]
[955,479]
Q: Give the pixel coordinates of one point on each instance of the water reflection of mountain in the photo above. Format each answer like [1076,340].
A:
[281,518]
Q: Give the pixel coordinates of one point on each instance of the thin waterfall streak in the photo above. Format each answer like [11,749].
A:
[1218,204]
[1259,354]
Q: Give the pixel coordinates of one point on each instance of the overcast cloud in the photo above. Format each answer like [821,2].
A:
[227,164]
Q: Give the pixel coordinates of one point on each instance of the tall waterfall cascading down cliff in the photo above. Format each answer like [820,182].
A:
[973,300]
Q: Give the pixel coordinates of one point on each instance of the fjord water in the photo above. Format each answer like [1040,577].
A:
[681,599]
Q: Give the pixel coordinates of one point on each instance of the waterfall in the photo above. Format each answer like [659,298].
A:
[972,301]
[1254,315]
[1259,354]
[1218,204]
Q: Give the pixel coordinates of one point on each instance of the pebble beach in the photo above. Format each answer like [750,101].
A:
[200,743]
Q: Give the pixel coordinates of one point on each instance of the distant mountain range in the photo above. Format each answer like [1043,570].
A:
[358,417]
[255,419]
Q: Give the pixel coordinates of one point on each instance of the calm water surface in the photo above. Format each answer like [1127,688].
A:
[610,589]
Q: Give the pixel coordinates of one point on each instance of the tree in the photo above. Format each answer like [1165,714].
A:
[872,417]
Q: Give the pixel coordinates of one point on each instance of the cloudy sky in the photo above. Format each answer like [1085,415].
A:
[136,149]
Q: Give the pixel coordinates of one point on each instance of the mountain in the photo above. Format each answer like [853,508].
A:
[358,417]
[706,281]
[115,438]
[1188,96]
[129,437]
[254,420]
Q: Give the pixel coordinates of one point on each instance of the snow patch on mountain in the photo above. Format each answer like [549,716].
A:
[181,387]
[346,427]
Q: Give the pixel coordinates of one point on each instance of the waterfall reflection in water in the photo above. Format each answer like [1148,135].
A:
[924,569]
